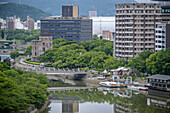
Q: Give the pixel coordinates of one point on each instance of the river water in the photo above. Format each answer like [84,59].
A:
[107,100]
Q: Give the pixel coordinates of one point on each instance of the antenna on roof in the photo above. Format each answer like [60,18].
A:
[93,5]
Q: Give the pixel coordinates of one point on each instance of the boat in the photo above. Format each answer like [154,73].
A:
[143,88]
[112,85]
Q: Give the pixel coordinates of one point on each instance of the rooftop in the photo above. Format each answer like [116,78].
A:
[161,77]
[56,17]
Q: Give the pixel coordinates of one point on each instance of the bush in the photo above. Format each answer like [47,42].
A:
[36,63]
[49,65]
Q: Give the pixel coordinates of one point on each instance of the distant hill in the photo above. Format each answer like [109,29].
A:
[103,7]
[21,10]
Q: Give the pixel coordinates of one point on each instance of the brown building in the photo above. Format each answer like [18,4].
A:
[135,28]
[70,11]
[30,23]
[107,35]
[10,23]
[40,46]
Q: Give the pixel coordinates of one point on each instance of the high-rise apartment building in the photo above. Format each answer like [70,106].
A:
[135,28]
[70,11]
[30,23]
[162,34]
[10,23]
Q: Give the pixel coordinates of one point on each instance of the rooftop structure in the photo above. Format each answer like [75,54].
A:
[70,11]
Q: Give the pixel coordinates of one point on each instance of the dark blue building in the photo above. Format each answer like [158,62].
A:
[70,28]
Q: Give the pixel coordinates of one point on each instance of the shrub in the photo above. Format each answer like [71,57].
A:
[35,63]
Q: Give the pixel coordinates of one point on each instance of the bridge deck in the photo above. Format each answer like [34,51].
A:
[54,89]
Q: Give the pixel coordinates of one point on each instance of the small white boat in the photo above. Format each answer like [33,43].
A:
[112,84]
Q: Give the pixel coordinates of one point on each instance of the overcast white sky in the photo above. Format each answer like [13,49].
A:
[146,1]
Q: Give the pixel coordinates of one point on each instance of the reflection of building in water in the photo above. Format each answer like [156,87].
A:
[158,102]
[159,85]
[69,104]
[123,107]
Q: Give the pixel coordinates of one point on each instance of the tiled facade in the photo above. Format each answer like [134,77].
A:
[135,28]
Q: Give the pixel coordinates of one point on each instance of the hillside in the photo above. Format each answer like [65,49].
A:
[21,10]
[103,7]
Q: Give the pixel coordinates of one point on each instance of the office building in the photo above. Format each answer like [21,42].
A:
[135,28]
[70,11]
[70,28]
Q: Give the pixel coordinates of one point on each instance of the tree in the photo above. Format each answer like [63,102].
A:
[14,54]
[95,37]
[139,62]
[2,34]
[7,61]
[28,51]
[159,62]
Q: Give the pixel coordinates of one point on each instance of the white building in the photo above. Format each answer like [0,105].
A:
[18,24]
[37,24]
[162,35]
[103,23]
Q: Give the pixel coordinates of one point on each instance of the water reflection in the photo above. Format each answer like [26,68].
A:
[107,100]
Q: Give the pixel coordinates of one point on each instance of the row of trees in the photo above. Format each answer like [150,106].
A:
[20,89]
[20,34]
[98,54]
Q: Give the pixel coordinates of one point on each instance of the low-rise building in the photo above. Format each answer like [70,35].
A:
[107,35]
[40,46]
[159,85]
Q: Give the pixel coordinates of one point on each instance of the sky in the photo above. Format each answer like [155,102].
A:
[146,1]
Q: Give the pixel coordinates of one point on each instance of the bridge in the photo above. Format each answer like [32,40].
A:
[55,89]
[67,73]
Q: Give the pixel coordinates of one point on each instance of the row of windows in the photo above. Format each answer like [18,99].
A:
[137,6]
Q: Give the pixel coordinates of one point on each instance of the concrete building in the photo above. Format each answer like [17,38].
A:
[40,46]
[10,23]
[135,28]
[159,85]
[37,25]
[18,24]
[70,11]
[162,34]
[7,46]
[107,35]
[92,13]
[30,23]
[70,28]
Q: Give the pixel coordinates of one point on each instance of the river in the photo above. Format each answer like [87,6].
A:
[107,100]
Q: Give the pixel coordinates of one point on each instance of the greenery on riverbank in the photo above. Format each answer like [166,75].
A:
[20,89]
[97,54]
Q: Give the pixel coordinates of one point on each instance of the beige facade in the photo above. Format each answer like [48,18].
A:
[107,35]
[40,46]
[135,28]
